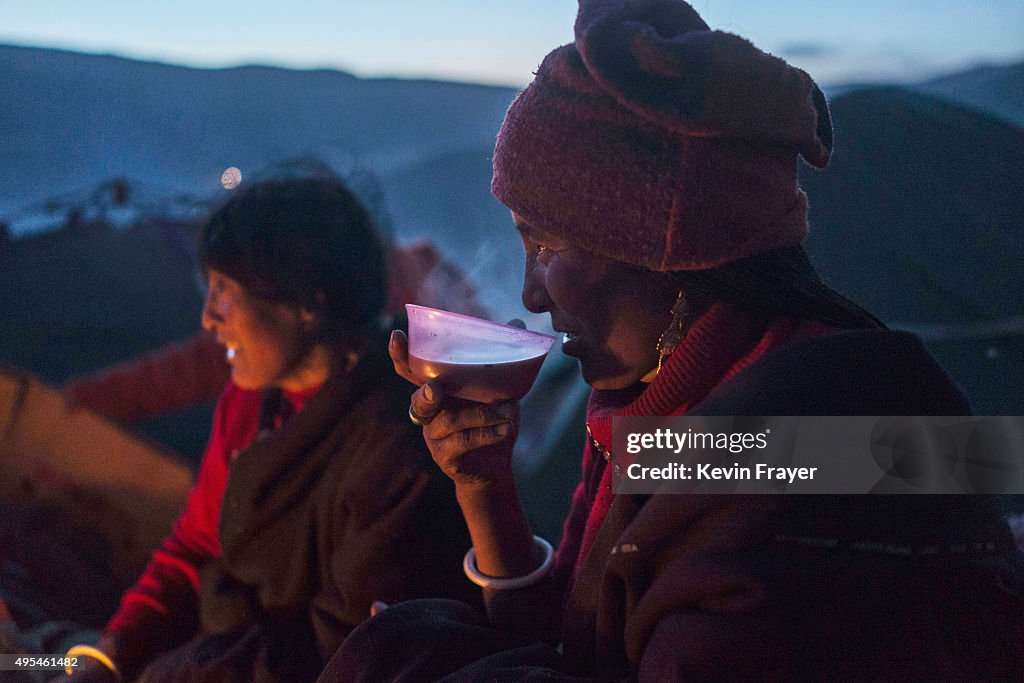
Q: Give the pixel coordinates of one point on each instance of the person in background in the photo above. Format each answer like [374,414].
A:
[182,374]
[651,170]
[315,496]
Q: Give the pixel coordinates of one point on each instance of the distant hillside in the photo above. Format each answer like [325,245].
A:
[919,213]
[71,120]
[919,219]
[996,90]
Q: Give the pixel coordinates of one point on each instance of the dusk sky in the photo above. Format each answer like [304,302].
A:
[502,42]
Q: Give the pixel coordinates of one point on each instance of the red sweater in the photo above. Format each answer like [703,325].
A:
[162,606]
[721,343]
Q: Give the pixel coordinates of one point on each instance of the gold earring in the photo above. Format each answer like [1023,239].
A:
[675,333]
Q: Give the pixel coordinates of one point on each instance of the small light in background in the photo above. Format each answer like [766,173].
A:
[231,178]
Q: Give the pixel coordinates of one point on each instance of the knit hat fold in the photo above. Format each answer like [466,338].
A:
[659,59]
[655,141]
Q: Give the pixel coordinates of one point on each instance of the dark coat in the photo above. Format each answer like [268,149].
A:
[340,507]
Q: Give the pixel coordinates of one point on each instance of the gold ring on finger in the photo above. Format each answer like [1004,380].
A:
[417,419]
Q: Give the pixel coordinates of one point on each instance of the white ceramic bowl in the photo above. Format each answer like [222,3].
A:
[474,359]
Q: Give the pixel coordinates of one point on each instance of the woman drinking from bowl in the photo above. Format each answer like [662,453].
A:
[651,168]
[315,495]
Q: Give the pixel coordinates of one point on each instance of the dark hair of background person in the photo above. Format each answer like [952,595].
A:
[777,282]
[306,242]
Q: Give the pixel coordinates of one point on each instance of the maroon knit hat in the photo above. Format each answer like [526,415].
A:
[655,141]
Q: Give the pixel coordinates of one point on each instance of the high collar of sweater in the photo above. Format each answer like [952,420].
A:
[721,343]
[718,344]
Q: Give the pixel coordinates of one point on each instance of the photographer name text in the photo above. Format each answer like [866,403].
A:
[708,472]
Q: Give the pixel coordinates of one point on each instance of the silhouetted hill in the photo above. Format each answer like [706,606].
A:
[919,219]
[73,120]
[996,90]
[920,211]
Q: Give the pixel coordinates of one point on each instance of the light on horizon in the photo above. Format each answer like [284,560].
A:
[231,178]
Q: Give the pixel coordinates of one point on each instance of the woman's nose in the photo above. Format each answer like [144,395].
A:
[535,294]
[210,316]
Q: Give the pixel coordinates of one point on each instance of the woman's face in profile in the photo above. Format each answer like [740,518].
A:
[612,314]
[263,339]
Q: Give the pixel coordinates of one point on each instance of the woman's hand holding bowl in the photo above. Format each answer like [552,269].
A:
[471,442]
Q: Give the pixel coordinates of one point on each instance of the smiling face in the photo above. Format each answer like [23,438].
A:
[612,313]
[266,342]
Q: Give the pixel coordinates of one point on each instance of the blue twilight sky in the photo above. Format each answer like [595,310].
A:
[503,41]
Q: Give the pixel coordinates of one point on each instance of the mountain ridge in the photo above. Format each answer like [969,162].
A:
[86,118]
